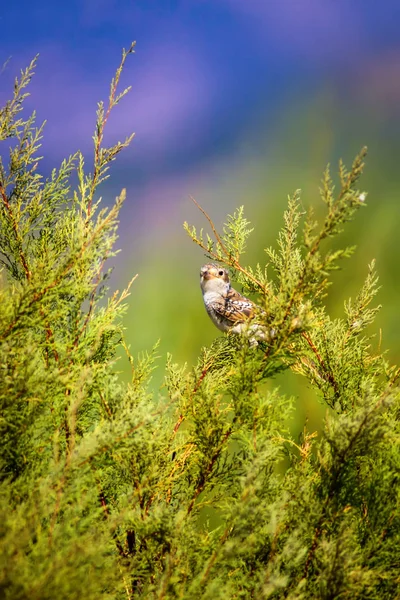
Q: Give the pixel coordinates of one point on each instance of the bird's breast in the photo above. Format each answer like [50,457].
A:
[211,300]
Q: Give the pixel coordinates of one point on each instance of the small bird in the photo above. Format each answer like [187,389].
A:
[229,310]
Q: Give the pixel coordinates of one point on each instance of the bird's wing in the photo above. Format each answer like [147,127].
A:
[234,307]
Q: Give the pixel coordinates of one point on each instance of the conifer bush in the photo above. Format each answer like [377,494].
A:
[107,487]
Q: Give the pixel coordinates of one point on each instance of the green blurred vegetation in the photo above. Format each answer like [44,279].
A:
[166,301]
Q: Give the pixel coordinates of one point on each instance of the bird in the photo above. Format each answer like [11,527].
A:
[227,308]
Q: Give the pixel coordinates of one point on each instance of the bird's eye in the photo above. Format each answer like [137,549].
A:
[220,273]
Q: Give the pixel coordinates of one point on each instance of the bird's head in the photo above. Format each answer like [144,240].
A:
[214,279]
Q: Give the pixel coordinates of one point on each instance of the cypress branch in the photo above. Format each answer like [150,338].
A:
[110,490]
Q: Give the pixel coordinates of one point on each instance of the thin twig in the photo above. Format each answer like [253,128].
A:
[203,477]
[49,337]
[181,418]
[215,232]
[230,260]
[6,203]
[214,555]
[100,133]
[328,374]
[105,404]
[91,303]
[70,441]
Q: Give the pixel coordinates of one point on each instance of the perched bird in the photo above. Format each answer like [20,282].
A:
[229,310]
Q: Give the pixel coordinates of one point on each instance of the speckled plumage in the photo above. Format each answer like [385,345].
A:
[227,308]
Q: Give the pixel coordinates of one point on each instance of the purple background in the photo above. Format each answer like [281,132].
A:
[232,101]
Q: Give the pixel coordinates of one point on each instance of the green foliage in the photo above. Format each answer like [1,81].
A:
[109,490]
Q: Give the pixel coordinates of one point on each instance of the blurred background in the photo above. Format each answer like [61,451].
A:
[235,102]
